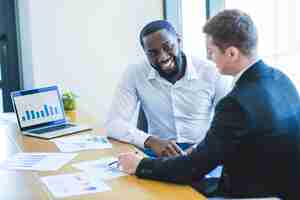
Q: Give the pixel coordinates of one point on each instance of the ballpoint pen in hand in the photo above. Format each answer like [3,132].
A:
[117,162]
[114,162]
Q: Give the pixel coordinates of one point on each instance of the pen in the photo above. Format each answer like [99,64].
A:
[117,162]
[112,163]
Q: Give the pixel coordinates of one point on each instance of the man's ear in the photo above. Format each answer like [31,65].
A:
[233,53]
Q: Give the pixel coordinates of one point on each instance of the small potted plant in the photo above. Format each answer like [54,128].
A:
[69,101]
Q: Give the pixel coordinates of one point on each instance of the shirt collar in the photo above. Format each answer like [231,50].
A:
[238,76]
[190,72]
[152,73]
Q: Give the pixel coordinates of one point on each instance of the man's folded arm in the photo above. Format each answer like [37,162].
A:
[221,139]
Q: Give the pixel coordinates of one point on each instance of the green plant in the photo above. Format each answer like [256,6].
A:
[69,101]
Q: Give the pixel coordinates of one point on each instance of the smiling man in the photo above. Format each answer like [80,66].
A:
[177,92]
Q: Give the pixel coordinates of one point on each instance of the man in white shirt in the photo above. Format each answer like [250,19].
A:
[176,91]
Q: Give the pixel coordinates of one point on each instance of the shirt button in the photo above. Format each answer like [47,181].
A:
[176,112]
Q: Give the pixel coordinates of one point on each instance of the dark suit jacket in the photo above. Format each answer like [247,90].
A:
[255,134]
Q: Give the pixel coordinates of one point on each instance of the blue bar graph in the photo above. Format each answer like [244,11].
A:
[51,110]
[27,115]
[32,114]
[47,111]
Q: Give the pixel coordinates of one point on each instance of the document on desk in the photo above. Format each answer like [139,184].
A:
[267,198]
[82,142]
[102,167]
[37,161]
[215,173]
[66,185]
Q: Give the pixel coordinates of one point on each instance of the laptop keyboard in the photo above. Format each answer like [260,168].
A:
[50,129]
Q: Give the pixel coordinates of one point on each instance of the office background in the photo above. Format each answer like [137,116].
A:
[82,45]
[85,46]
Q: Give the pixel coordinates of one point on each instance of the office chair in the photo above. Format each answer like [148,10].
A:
[142,120]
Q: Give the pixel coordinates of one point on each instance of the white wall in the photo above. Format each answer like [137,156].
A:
[82,45]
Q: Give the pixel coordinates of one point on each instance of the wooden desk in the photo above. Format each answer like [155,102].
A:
[24,185]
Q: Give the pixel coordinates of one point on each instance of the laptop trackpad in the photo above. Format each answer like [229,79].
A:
[51,129]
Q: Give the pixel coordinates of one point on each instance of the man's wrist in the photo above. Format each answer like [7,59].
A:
[143,167]
[149,141]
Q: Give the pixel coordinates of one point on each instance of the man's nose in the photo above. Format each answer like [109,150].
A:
[163,55]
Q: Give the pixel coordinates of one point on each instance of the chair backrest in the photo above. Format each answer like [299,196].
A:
[142,120]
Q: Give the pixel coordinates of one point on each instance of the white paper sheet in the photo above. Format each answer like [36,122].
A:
[221,198]
[82,142]
[74,184]
[216,173]
[101,167]
[37,161]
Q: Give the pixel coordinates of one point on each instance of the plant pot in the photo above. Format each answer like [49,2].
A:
[71,115]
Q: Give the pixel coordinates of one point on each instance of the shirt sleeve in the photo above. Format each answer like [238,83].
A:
[230,122]
[125,102]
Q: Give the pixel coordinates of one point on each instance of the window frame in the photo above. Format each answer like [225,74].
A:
[173,11]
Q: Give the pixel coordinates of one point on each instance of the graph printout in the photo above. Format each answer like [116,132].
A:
[37,161]
[66,185]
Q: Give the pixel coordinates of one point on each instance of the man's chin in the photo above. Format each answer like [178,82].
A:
[169,73]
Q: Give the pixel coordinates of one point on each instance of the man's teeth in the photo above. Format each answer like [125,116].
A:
[167,63]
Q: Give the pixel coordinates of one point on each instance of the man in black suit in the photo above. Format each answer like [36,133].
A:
[256,128]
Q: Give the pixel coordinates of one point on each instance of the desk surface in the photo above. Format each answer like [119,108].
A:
[16,185]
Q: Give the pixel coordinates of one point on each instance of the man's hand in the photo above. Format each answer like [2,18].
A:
[129,162]
[163,147]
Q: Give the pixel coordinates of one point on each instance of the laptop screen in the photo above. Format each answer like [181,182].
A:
[38,107]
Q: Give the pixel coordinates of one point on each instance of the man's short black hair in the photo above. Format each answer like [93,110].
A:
[156,26]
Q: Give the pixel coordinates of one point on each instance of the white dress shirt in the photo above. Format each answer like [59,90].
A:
[182,111]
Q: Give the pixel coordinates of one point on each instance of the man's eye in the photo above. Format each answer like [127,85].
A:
[151,53]
[209,55]
[168,47]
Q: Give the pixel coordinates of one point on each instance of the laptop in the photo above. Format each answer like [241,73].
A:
[40,113]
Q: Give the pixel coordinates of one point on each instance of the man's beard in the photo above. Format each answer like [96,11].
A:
[174,72]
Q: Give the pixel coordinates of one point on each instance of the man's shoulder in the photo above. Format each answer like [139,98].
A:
[138,69]
[202,64]
[205,69]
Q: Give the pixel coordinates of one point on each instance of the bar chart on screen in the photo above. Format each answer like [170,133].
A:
[47,110]
[39,108]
